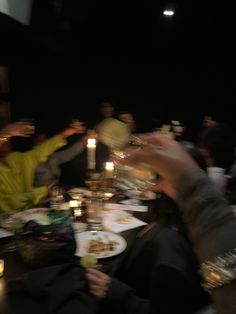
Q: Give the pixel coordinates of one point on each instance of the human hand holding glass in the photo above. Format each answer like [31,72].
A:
[132,176]
[166,157]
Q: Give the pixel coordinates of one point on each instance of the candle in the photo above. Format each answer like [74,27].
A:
[73,204]
[77,212]
[1,267]
[109,167]
[91,150]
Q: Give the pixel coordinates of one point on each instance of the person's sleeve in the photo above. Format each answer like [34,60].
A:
[122,299]
[209,218]
[212,229]
[67,154]
[42,151]
[15,202]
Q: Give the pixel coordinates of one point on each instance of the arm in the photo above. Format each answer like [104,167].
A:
[67,154]
[12,203]
[23,129]
[42,151]
[211,223]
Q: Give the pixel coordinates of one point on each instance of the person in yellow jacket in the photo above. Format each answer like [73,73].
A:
[17,171]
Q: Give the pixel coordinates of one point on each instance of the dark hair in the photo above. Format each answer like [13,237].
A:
[196,155]
[219,141]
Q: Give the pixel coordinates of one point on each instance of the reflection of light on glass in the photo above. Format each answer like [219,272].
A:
[1,267]
[168,12]
[91,149]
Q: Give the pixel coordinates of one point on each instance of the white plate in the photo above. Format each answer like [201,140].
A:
[38,214]
[140,195]
[83,238]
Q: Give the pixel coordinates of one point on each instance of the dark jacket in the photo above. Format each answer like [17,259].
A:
[212,228]
[162,269]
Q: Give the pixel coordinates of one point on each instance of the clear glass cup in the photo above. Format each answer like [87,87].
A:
[57,197]
[133,176]
[94,213]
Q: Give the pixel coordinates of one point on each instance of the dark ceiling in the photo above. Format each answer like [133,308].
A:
[80,52]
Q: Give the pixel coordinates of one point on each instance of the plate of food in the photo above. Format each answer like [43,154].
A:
[100,243]
[37,214]
[124,218]
[141,195]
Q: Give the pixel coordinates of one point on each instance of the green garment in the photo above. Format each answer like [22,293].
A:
[17,174]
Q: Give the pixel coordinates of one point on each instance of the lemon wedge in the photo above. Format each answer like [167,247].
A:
[87,261]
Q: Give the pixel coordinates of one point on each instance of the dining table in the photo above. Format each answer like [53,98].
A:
[15,268]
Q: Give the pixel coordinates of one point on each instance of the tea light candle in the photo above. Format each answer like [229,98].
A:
[77,212]
[73,204]
[91,151]
[1,267]
[109,167]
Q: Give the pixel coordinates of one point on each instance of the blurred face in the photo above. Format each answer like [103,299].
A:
[129,119]
[107,110]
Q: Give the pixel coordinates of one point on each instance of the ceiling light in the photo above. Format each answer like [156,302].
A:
[168,12]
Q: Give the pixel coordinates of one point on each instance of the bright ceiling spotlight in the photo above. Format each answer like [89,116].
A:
[168,12]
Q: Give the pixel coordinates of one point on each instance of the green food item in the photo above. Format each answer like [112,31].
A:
[87,261]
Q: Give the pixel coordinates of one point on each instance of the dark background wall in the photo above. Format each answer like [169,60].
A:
[77,53]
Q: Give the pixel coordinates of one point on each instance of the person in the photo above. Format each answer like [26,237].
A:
[18,128]
[17,171]
[209,220]
[112,132]
[217,143]
[128,118]
[160,265]
[49,172]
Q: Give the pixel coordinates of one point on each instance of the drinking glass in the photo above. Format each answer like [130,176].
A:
[94,213]
[134,176]
[56,197]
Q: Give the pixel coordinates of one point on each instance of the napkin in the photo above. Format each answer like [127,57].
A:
[110,222]
[135,208]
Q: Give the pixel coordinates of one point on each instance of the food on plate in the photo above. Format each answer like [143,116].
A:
[101,246]
[124,219]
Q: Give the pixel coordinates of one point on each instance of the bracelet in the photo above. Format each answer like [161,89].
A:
[219,272]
